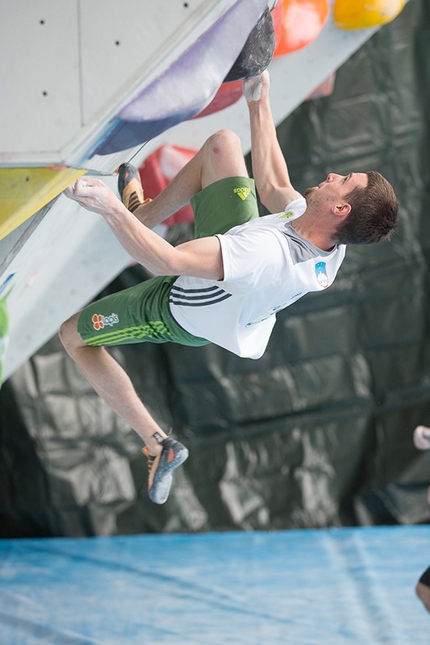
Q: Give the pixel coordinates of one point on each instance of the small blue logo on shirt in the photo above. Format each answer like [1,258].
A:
[321,273]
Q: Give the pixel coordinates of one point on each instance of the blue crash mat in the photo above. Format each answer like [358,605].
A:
[310,587]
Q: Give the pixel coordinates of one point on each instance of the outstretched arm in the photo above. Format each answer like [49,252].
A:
[200,258]
[270,170]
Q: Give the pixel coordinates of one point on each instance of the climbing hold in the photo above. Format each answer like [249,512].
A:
[257,51]
[361,14]
[159,169]
[297,23]
[326,88]
[227,94]
[24,191]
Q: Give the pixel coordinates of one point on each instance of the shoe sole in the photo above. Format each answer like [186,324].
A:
[160,489]
[130,187]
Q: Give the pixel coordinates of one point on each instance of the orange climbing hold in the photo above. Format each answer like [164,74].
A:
[326,88]
[297,23]
[361,14]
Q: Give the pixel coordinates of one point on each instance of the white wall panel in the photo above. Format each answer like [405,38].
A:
[39,76]
[120,40]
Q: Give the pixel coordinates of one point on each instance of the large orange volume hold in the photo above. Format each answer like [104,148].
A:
[297,23]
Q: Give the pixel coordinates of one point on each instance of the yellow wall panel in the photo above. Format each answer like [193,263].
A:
[23,191]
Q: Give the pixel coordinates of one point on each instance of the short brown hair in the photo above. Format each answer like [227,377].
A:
[374,212]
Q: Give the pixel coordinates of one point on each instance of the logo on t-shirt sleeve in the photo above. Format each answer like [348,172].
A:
[321,273]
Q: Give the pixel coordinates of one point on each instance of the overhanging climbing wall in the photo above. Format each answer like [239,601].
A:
[73,79]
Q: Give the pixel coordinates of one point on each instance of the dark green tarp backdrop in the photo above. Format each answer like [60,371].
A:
[318,432]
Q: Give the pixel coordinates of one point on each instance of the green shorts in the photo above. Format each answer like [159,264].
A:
[141,313]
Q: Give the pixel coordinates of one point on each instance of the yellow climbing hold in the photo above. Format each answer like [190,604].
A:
[24,191]
[361,14]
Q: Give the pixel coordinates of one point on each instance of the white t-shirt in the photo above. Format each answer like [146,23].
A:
[267,267]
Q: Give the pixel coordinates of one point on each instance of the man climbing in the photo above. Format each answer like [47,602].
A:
[233,278]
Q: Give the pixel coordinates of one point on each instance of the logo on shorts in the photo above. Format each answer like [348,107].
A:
[242,192]
[99,322]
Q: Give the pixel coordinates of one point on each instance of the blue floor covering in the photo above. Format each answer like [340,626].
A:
[310,587]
